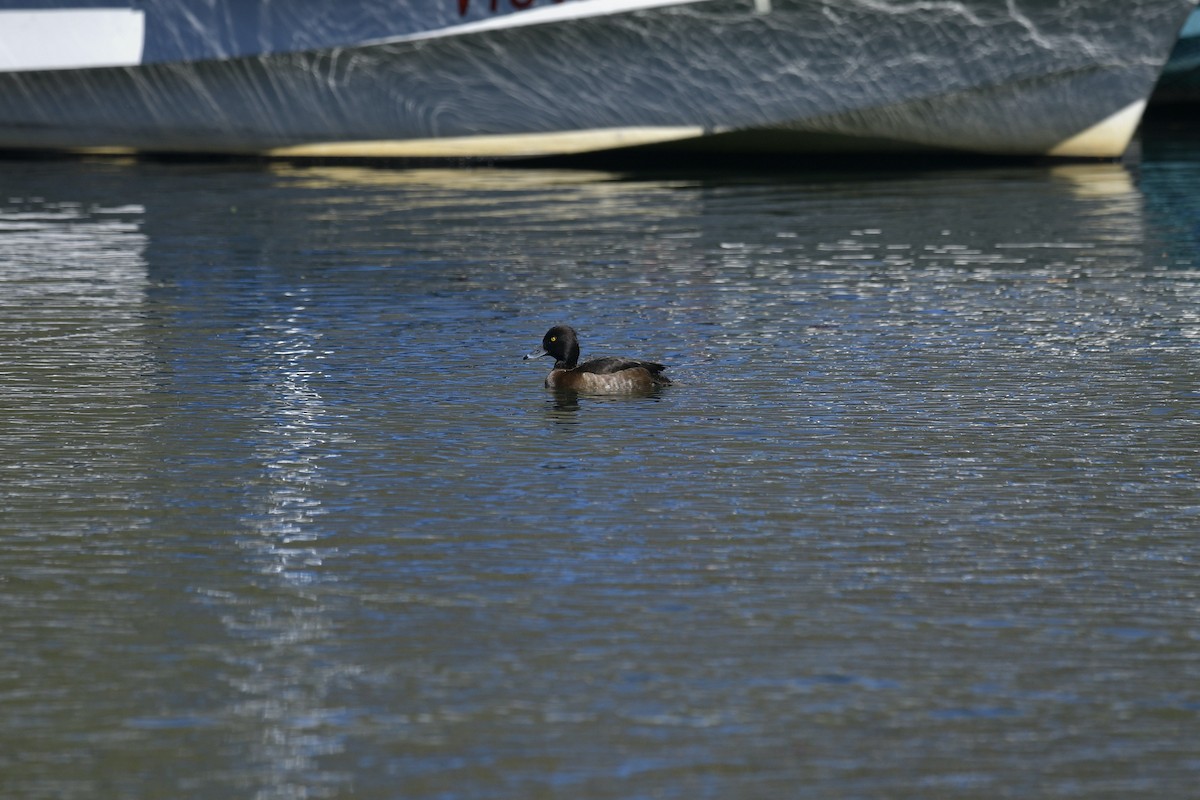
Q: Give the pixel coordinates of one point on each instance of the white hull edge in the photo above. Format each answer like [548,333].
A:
[521,145]
[1106,137]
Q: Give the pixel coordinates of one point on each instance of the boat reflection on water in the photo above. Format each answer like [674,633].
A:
[75,362]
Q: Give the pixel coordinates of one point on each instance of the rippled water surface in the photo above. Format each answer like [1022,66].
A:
[284,515]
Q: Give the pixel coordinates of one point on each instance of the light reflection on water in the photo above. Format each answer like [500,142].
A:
[286,515]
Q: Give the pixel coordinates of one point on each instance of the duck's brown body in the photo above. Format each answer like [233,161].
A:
[610,375]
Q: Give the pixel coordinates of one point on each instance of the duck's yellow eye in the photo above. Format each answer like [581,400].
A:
[554,338]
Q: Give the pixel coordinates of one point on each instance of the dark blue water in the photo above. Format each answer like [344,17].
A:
[283,514]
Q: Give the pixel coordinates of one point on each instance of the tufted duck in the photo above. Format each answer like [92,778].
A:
[610,375]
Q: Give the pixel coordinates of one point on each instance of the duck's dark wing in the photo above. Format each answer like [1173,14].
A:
[611,364]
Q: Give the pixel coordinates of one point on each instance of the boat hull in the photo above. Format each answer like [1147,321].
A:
[1062,78]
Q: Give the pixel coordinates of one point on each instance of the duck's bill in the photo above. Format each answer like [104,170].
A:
[538,353]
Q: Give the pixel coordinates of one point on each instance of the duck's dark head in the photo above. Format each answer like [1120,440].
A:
[560,342]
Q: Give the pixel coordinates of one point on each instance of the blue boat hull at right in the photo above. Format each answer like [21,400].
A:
[1180,81]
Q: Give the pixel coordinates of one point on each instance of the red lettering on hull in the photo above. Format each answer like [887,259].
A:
[493,6]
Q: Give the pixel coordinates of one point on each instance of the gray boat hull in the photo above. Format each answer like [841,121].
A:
[1037,78]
